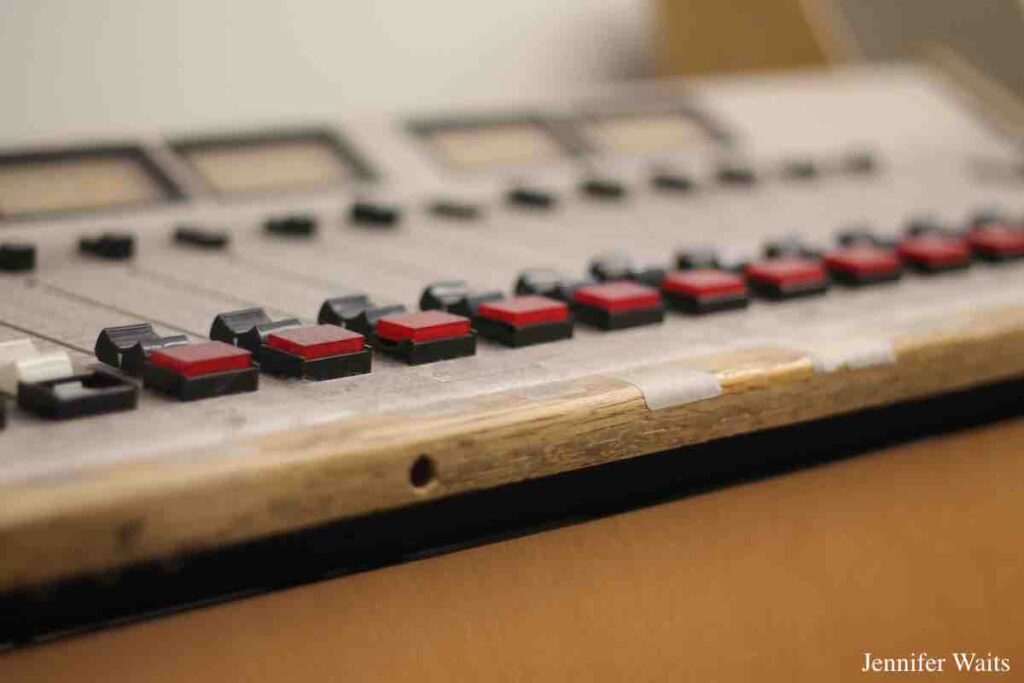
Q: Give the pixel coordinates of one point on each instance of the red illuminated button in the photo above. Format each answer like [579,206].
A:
[997,241]
[704,283]
[316,341]
[523,311]
[422,327]
[618,297]
[864,263]
[932,252]
[787,272]
[206,358]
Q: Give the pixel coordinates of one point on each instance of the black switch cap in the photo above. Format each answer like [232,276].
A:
[17,257]
[531,198]
[115,246]
[603,188]
[614,265]
[355,311]
[672,182]
[247,328]
[735,174]
[374,214]
[204,238]
[697,259]
[291,226]
[549,283]
[454,296]
[859,163]
[455,209]
[128,346]
[789,247]
[799,169]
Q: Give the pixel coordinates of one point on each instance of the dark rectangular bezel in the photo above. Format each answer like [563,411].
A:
[780,292]
[206,386]
[925,268]
[418,353]
[698,305]
[137,153]
[278,362]
[606,320]
[346,153]
[515,337]
[853,279]
[115,394]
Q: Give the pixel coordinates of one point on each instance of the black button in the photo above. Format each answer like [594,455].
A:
[204,238]
[373,214]
[91,393]
[921,227]
[800,169]
[17,257]
[987,217]
[451,208]
[603,188]
[110,245]
[291,226]
[789,247]
[735,174]
[247,328]
[697,259]
[455,296]
[355,311]
[549,283]
[652,276]
[672,182]
[127,347]
[615,265]
[531,197]
[859,163]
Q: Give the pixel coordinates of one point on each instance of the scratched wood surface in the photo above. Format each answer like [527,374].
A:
[792,578]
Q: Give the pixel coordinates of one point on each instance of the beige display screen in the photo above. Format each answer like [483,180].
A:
[645,133]
[269,166]
[474,148]
[75,183]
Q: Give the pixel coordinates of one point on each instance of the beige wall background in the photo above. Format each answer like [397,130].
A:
[71,65]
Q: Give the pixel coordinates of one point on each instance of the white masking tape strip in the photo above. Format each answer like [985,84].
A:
[667,386]
[853,354]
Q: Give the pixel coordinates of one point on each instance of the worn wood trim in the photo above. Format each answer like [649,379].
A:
[116,516]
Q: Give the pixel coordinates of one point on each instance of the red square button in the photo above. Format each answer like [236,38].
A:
[316,341]
[205,358]
[864,260]
[617,297]
[704,283]
[997,240]
[423,326]
[523,311]
[788,272]
[935,252]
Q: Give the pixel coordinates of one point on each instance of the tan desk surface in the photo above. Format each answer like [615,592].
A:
[913,548]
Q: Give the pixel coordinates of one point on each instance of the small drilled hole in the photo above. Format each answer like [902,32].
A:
[423,472]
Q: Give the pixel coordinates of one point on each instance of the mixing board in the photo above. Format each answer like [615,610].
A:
[210,337]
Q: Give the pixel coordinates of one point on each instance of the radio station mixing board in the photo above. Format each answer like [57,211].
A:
[207,337]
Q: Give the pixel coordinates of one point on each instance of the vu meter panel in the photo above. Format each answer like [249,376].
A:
[57,182]
[648,132]
[288,162]
[484,145]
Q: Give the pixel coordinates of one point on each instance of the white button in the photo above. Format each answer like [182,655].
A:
[20,361]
